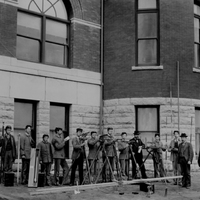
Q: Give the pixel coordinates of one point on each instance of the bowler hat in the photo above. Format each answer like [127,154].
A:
[136,133]
[45,135]
[8,127]
[183,135]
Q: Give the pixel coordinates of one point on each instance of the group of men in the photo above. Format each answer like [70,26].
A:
[105,146]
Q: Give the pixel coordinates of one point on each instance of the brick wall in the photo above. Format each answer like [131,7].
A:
[8,29]
[176,44]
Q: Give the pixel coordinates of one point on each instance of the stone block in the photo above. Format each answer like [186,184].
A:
[112,102]
[89,120]
[125,101]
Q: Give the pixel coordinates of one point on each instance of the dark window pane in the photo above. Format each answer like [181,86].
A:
[52,33]
[28,49]
[196,55]
[196,30]
[23,115]
[28,25]
[57,117]
[146,4]
[147,25]
[54,54]
[147,52]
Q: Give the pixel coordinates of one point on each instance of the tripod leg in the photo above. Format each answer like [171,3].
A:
[100,171]
[119,173]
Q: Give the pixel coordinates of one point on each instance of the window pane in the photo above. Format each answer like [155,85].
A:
[146,4]
[28,25]
[28,49]
[57,117]
[54,54]
[196,9]
[23,115]
[147,25]
[147,52]
[147,119]
[196,30]
[196,55]
[52,33]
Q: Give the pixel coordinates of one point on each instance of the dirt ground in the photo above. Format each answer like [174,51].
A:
[125,192]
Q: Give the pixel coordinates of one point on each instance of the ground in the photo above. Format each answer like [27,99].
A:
[126,192]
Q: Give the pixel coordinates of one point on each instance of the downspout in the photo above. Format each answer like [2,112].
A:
[178,92]
[101,123]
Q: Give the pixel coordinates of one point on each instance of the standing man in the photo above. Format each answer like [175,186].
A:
[26,143]
[46,157]
[173,148]
[58,142]
[123,148]
[93,144]
[157,147]
[78,153]
[110,153]
[8,150]
[185,157]
[136,148]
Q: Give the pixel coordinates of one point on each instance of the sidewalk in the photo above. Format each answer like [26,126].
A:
[110,193]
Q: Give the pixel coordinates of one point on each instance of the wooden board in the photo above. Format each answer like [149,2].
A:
[34,168]
[99,185]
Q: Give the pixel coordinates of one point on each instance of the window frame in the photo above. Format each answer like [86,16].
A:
[137,39]
[43,40]
[66,128]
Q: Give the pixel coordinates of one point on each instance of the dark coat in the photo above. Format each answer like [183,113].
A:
[26,143]
[58,144]
[3,144]
[123,149]
[46,152]
[93,145]
[109,146]
[77,149]
[186,151]
[135,143]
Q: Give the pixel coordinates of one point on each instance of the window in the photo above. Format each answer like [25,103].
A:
[24,114]
[197,130]
[147,34]
[59,117]
[196,35]
[38,38]
[147,122]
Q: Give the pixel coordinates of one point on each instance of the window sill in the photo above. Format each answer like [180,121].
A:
[137,68]
[196,69]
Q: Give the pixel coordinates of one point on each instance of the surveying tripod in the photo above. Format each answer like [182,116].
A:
[106,162]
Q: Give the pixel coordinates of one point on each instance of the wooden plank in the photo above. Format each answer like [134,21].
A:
[99,185]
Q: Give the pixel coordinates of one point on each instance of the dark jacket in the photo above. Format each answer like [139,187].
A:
[46,152]
[26,143]
[185,150]
[3,145]
[93,145]
[123,149]
[58,144]
[77,149]
[109,146]
[135,143]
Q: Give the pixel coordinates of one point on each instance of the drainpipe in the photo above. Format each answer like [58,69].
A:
[178,71]
[101,123]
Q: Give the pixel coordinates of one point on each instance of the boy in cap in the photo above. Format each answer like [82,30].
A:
[46,157]
[137,146]
[185,156]
[8,150]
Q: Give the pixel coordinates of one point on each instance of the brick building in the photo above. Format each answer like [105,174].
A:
[53,78]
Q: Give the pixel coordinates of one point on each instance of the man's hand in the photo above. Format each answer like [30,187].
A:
[189,163]
[23,156]
[66,139]
[84,143]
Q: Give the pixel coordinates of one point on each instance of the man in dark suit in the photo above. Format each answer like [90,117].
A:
[137,146]
[58,142]
[77,156]
[8,150]
[123,148]
[185,157]
[26,143]
[93,144]
[110,153]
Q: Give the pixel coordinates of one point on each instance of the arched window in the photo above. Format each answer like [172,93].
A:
[43,32]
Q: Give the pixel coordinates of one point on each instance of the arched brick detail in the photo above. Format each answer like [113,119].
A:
[77,8]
